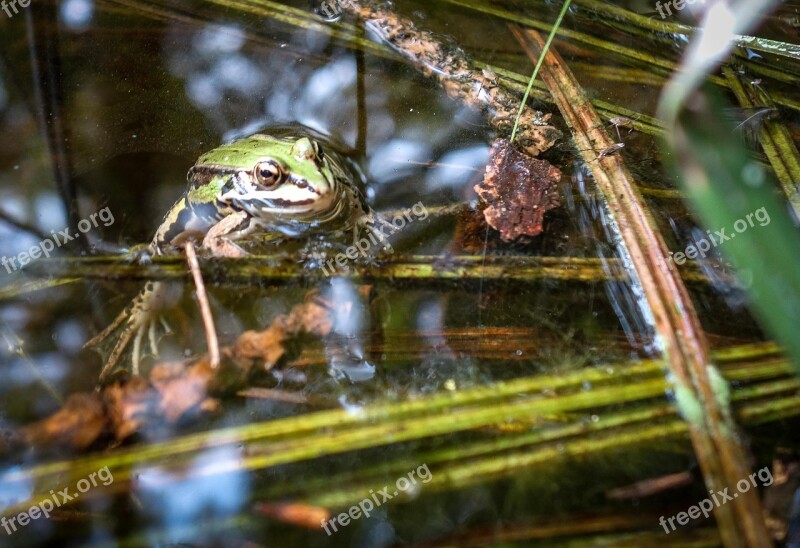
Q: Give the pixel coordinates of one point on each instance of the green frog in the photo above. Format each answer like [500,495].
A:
[282,184]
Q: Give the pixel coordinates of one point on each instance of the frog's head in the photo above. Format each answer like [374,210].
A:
[275,180]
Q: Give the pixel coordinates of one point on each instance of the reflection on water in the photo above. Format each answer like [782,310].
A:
[202,491]
[625,298]
[76,15]
[348,361]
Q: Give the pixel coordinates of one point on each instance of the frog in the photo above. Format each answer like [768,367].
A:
[284,183]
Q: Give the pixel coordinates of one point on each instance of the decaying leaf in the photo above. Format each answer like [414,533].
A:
[128,405]
[303,515]
[268,346]
[183,388]
[78,424]
[518,191]
[174,390]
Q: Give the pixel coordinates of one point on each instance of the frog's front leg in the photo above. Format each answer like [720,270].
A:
[375,224]
[219,238]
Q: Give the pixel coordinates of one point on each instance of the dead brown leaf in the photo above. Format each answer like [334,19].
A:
[77,425]
[518,191]
[268,347]
[183,388]
[128,404]
[173,390]
[303,515]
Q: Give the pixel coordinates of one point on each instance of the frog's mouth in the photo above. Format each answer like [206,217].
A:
[263,206]
[290,201]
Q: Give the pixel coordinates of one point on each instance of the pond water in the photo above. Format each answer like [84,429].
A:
[134,91]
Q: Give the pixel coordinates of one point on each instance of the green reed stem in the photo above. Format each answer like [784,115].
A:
[552,35]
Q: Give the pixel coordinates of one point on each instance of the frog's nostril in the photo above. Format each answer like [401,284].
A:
[301,183]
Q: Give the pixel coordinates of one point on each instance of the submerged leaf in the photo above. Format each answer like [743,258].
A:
[77,424]
[173,391]
[303,515]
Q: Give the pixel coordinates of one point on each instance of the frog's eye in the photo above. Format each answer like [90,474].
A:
[268,173]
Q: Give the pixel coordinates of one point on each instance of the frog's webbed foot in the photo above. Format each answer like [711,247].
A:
[141,317]
[141,324]
[148,325]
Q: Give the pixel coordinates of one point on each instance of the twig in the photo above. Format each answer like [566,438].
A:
[361,96]
[22,225]
[641,57]
[284,396]
[274,395]
[457,74]
[205,309]
[682,340]
[43,46]
[279,269]
[668,27]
